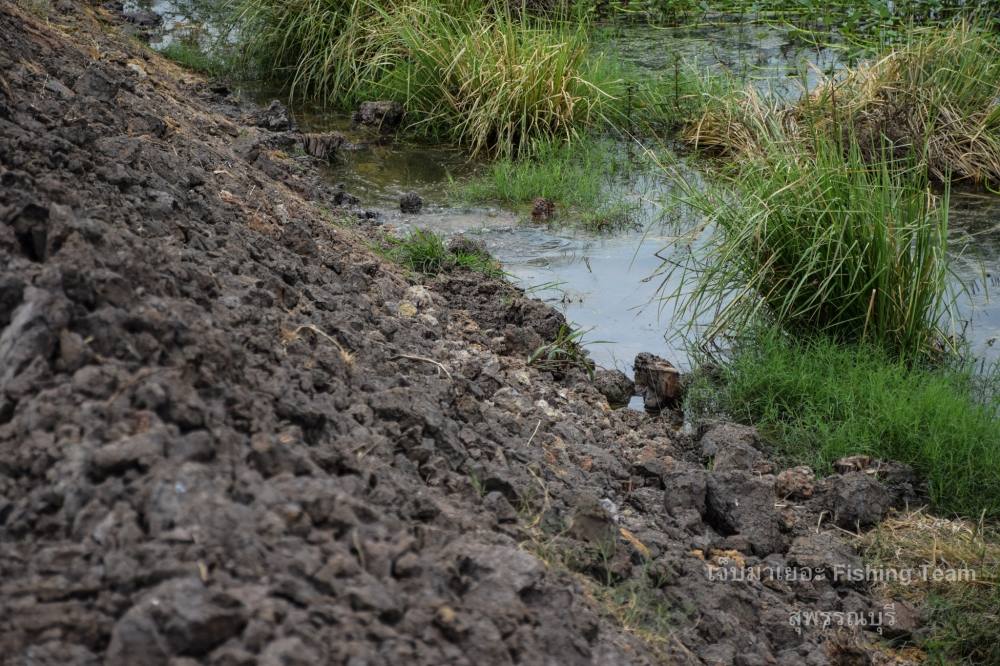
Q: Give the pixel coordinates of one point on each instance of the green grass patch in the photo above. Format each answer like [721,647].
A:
[586,179]
[190,54]
[934,91]
[425,252]
[818,401]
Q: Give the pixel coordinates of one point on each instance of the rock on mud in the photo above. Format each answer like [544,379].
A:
[615,386]
[859,500]
[275,117]
[657,381]
[742,503]
[179,617]
[381,115]
[795,483]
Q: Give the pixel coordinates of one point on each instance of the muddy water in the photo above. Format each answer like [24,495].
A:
[607,284]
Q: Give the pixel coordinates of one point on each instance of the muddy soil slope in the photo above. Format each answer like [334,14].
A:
[229,434]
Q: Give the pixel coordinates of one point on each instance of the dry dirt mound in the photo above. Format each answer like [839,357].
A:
[224,441]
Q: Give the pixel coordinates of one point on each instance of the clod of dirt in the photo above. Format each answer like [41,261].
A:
[742,503]
[859,500]
[795,483]
[275,117]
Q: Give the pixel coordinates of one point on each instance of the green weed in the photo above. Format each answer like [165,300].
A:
[564,353]
[493,80]
[190,54]
[817,401]
[425,252]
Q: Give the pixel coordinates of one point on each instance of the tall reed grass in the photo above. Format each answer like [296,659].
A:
[822,240]
[493,80]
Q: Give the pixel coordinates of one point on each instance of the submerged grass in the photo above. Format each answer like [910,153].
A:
[819,400]
[935,92]
[823,240]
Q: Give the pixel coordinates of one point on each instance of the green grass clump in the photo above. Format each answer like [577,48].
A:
[586,179]
[569,174]
[425,252]
[935,91]
[818,400]
[564,353]
[493,80]
[823,240]
[189,53]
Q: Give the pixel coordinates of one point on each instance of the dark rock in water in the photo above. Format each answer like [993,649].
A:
[462,244]
[322,145]
[275,117]
[342,197]
[741,503]
[615,386]
[859,500]
[657,381]
[410,203]
[542,209]
[382,115]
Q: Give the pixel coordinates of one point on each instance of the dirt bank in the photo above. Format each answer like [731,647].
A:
[229,434]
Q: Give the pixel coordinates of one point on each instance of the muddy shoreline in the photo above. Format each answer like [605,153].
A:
[231,434]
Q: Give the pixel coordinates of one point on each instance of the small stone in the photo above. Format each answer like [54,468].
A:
[795,483]
[542,209]
[859,501]
[615,386]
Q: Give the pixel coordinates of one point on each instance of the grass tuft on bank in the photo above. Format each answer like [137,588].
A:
[935,92]
[823,240]
[818,400]
[424,251]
